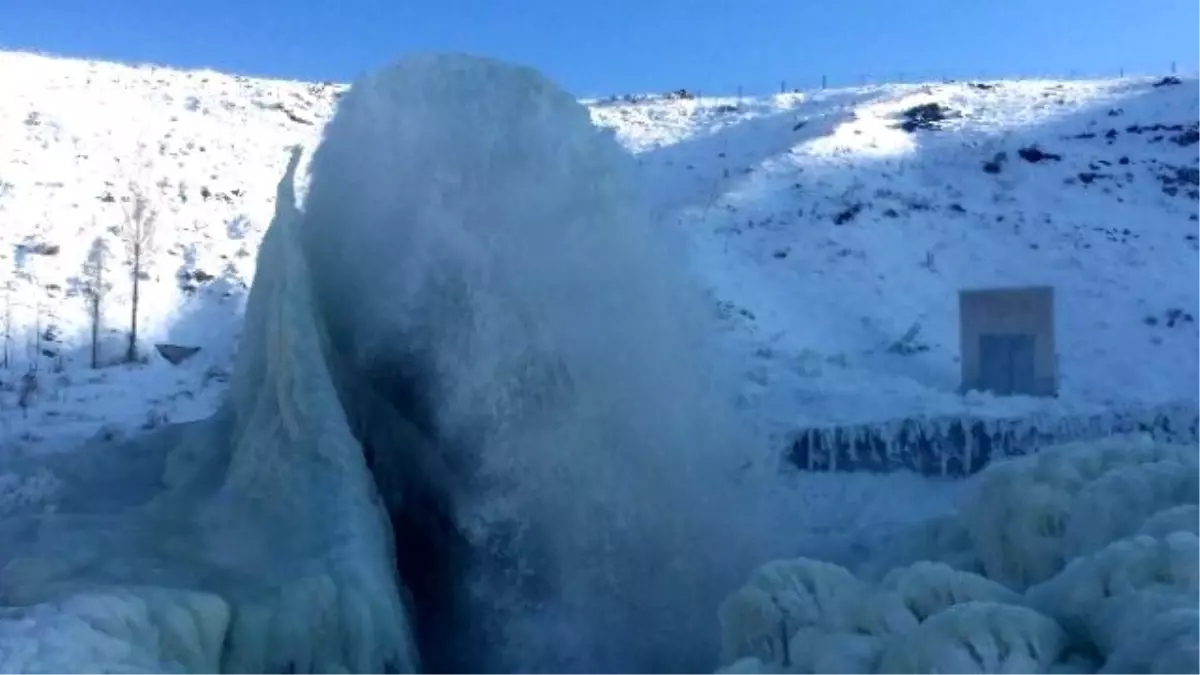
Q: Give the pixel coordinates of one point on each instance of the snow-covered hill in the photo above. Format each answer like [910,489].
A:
[829,231]
[207,150]
[829,225]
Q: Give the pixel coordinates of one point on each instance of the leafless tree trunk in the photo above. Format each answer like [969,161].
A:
[95,288]
[95,330]
[37,332]
[29,390]
[138,235]
[7,322]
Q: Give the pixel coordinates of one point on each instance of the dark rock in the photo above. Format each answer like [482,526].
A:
[1168,81]
[1187,174]
[1034,155]
[928,117]
[1110,134]
[296,118]
[847,215]
[891,213]
[40,248]
[1123,161]
[1155,128]
[1188,137]
[995,164]
[1177,316]
[190,280]
[176,354]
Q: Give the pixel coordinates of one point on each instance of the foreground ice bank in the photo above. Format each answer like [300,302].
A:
[469,412]
[1082,558]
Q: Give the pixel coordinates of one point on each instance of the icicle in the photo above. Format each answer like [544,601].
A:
[834,437]
[863,450]
[968,446]
[933,444]
[812,450]
[890,431]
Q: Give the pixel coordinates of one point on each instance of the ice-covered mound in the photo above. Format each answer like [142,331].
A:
[251,542]
[485,265]
[1083,557]
[471,417]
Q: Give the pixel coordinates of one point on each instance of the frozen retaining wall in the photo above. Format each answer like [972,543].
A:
[960,445]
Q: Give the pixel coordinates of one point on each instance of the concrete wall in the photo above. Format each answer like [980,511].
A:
[1009,311]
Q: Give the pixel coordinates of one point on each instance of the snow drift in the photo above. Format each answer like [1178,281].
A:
[471,427]
[1081,558]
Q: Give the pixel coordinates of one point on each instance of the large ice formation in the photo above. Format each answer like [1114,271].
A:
[250,542]
[1082,557]
[471,416]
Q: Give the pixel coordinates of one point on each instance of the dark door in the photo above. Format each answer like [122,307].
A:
[1006,364]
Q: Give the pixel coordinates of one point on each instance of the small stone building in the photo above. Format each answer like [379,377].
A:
[1007,341]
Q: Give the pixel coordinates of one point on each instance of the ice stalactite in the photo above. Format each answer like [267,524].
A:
[959,446]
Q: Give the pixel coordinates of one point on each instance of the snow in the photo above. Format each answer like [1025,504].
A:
[1021,595]
[819,304]
[811,307]
[630,469]
[821,232]
[83,133]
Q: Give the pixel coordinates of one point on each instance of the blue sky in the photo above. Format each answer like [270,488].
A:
[598,47]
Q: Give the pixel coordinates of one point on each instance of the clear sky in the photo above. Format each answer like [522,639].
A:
[597,47]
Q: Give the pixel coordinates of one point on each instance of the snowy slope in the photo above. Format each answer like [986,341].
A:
[824,231]
[207,149]
[828,233]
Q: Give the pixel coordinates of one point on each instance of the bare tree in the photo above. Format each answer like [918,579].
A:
[95,287]
[36,348]
[138,234]
[8,284]
[29,390]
